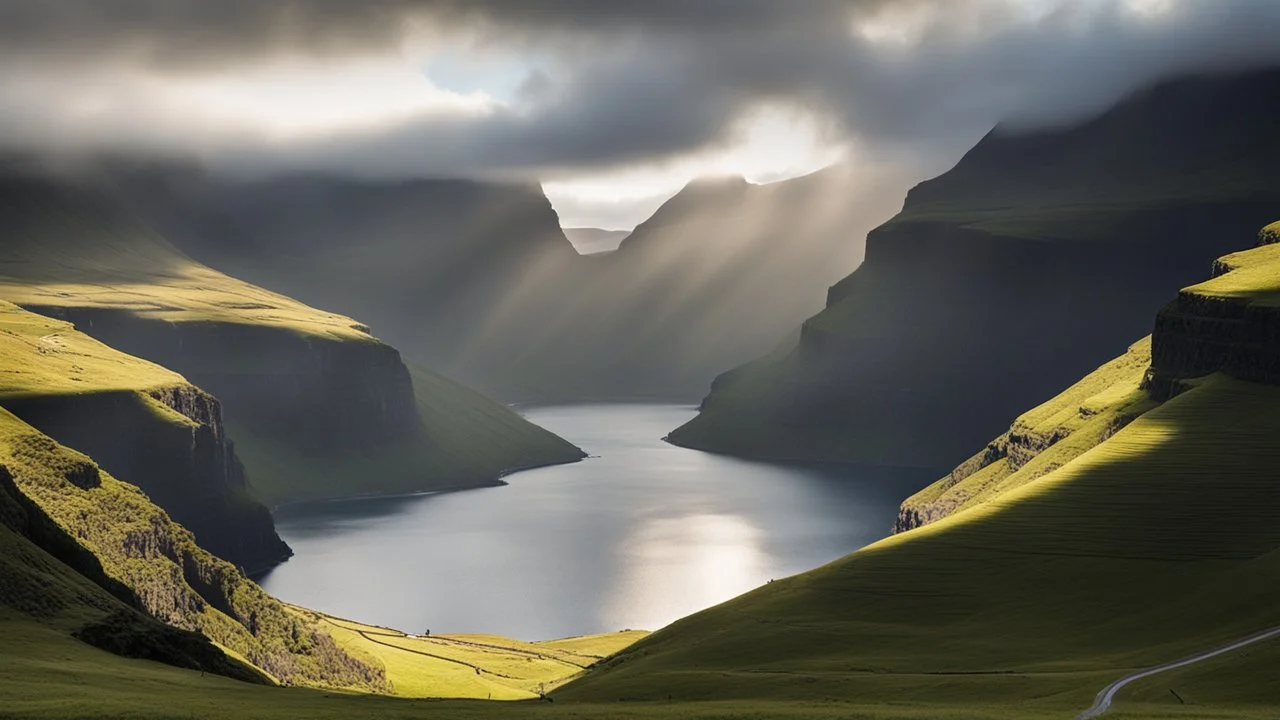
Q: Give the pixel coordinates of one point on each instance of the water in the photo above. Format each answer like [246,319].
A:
[637,536]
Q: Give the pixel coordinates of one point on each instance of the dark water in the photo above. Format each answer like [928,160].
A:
[637,536]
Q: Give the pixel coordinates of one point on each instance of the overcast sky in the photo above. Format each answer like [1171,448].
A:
[612,105]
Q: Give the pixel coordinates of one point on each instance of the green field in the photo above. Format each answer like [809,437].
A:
[482,667]
[40,357]
[45,674]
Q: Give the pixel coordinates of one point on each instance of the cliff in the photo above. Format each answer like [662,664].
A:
[146,421]
[142,421]
[109,533]
[50,579]
[315,387]
[1003,279]
[1229,324]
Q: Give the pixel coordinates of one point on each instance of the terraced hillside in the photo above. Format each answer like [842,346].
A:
[314,387]
[1118,526]
[1006,278]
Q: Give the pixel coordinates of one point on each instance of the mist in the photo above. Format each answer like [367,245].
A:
[259,88]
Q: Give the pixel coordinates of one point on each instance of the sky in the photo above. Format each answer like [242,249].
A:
[612,106]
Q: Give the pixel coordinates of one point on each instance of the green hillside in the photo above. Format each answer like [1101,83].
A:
[1130,532]
[1007,277]
[115,536]
[139,420]
[301,389]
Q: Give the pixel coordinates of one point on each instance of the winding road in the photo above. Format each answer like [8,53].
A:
[1102,702]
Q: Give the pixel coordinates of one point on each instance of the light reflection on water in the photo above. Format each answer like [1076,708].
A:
[637,536]
[671,565]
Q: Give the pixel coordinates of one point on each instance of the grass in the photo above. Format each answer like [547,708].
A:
[1151,545]
[40,356]
[66,248]
[472,666]
[46,675]
[1045,438]
[1251,275]
[173,578]
[465,440]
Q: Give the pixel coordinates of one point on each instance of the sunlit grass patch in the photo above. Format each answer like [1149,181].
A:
[472,666]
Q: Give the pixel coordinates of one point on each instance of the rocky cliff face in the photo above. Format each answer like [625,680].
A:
[1222,325]
[1002,280]
[319,393]
[170,441]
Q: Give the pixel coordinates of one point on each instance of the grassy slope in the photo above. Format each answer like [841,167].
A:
[173,578]
[465,440]
[46,674]
[472,666]
[1044,439]
[66,250]
[40,356]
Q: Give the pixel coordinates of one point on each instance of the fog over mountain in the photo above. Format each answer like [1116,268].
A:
[250,86]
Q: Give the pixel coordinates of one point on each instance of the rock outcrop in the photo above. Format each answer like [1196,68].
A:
[170,441]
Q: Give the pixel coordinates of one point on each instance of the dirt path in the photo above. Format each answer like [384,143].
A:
[1102,702]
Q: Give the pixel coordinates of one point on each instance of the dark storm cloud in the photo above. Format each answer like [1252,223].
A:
[636,80]
[195,32]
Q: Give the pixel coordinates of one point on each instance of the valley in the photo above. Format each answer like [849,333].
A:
[290,431]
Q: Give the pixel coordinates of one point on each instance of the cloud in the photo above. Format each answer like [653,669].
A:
[609,85]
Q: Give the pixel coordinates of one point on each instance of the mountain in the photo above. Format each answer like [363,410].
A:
[89,554]
[298,388]
[716,275]
[1123,524]
[478,280]
[1007,276]
[589,241]
[454,273]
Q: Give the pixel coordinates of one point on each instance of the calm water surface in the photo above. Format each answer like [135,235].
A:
[640,534]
